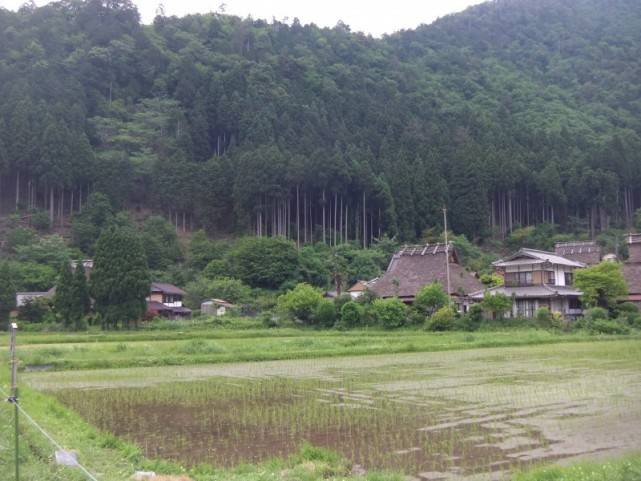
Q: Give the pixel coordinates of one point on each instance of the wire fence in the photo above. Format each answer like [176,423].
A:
[40,465]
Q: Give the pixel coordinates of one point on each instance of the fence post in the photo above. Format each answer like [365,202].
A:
[14,395]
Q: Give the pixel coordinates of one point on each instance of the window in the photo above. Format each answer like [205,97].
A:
[548,277]
[518,279]
[569,278]
[574,303]
[526,307]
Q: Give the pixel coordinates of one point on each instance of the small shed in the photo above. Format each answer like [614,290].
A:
[215,307]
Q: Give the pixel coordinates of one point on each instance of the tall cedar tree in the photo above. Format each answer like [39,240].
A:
[64,300]
[120,278]
[7,295]
[82,302]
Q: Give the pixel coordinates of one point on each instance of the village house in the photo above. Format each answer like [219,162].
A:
[166,300]
[632,269]
[414,267]
[359,288]
[535,279]
[216,307]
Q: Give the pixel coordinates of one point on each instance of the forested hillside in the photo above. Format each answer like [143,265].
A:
[512,113]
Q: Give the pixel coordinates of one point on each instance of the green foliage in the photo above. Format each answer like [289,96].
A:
[546,319]
[19,237]
[7,295]
[216,268]
[602,285]
[160,242]
[351,315]
[301,302]
[87,225]
[430,299]
[325,313]
[442,320]
[40,220]
[264,262]
[609,326]
[472,319]
[120,278]
[595,314]
[314,265]
[33,310]
[65,301]
[389,313]
[50,250]
[629,313]
[226,288]
[496,304]
[540,236]
[29,276]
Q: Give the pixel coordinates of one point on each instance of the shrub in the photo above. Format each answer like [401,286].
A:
[595,314]
[472,320]
[264,261]
[389,313]
[442,320]
[216,268]
[325,313]
[20,236]
[605,326]
[430,299]
[351,315]
[601,284]
[301,302]
[40,220]
[545,319]
[629,313]
[496,304]
[33,310]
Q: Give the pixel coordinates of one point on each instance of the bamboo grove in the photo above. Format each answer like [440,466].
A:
[512,113]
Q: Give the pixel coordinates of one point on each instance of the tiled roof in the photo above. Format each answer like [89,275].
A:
[537,291]
[534,256]
[416,266]
[166,288]
[587,252]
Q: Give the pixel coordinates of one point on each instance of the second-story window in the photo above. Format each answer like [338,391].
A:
[518,278]
[548,277]
[569,278]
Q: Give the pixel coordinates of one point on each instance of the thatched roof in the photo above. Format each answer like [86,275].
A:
[587,252]
[416,266]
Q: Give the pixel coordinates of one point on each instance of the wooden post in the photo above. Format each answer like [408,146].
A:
[14,394]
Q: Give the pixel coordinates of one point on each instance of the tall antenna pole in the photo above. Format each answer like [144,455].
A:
[447,258]
[14,393]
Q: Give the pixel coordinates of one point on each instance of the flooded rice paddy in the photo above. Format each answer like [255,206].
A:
[449,415]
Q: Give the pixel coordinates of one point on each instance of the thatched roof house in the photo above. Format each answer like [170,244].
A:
[413,267]
[586,252]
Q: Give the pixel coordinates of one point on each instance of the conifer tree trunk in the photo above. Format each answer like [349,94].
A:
[364,222]
[298,217]
[324,241]
[17,188]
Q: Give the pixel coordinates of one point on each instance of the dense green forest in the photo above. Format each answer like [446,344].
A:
[512,113]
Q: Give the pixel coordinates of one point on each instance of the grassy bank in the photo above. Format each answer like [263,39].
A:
[94,350]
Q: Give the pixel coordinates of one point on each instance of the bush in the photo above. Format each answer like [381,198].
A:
[351,315]
[595,314]
[604,326]
[430,299]
[301,302]
[232,290]
[216,268]
[40,220]
[442,320]
[20,236]
[325,313]
[33,310]
[496,304]
[629,313]
[389,313]
[472,320]
[545,319]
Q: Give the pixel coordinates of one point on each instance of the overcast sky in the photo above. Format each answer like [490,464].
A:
[370,16]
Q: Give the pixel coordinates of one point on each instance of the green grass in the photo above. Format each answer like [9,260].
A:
[96,349]
[627,468]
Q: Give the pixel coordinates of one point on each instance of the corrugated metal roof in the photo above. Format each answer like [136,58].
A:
[536,255]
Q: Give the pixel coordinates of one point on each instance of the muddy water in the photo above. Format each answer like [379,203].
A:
[432,416]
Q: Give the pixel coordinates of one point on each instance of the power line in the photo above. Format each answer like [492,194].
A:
[50,439]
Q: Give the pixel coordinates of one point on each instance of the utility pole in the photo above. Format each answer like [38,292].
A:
[447,258]
[14,393]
